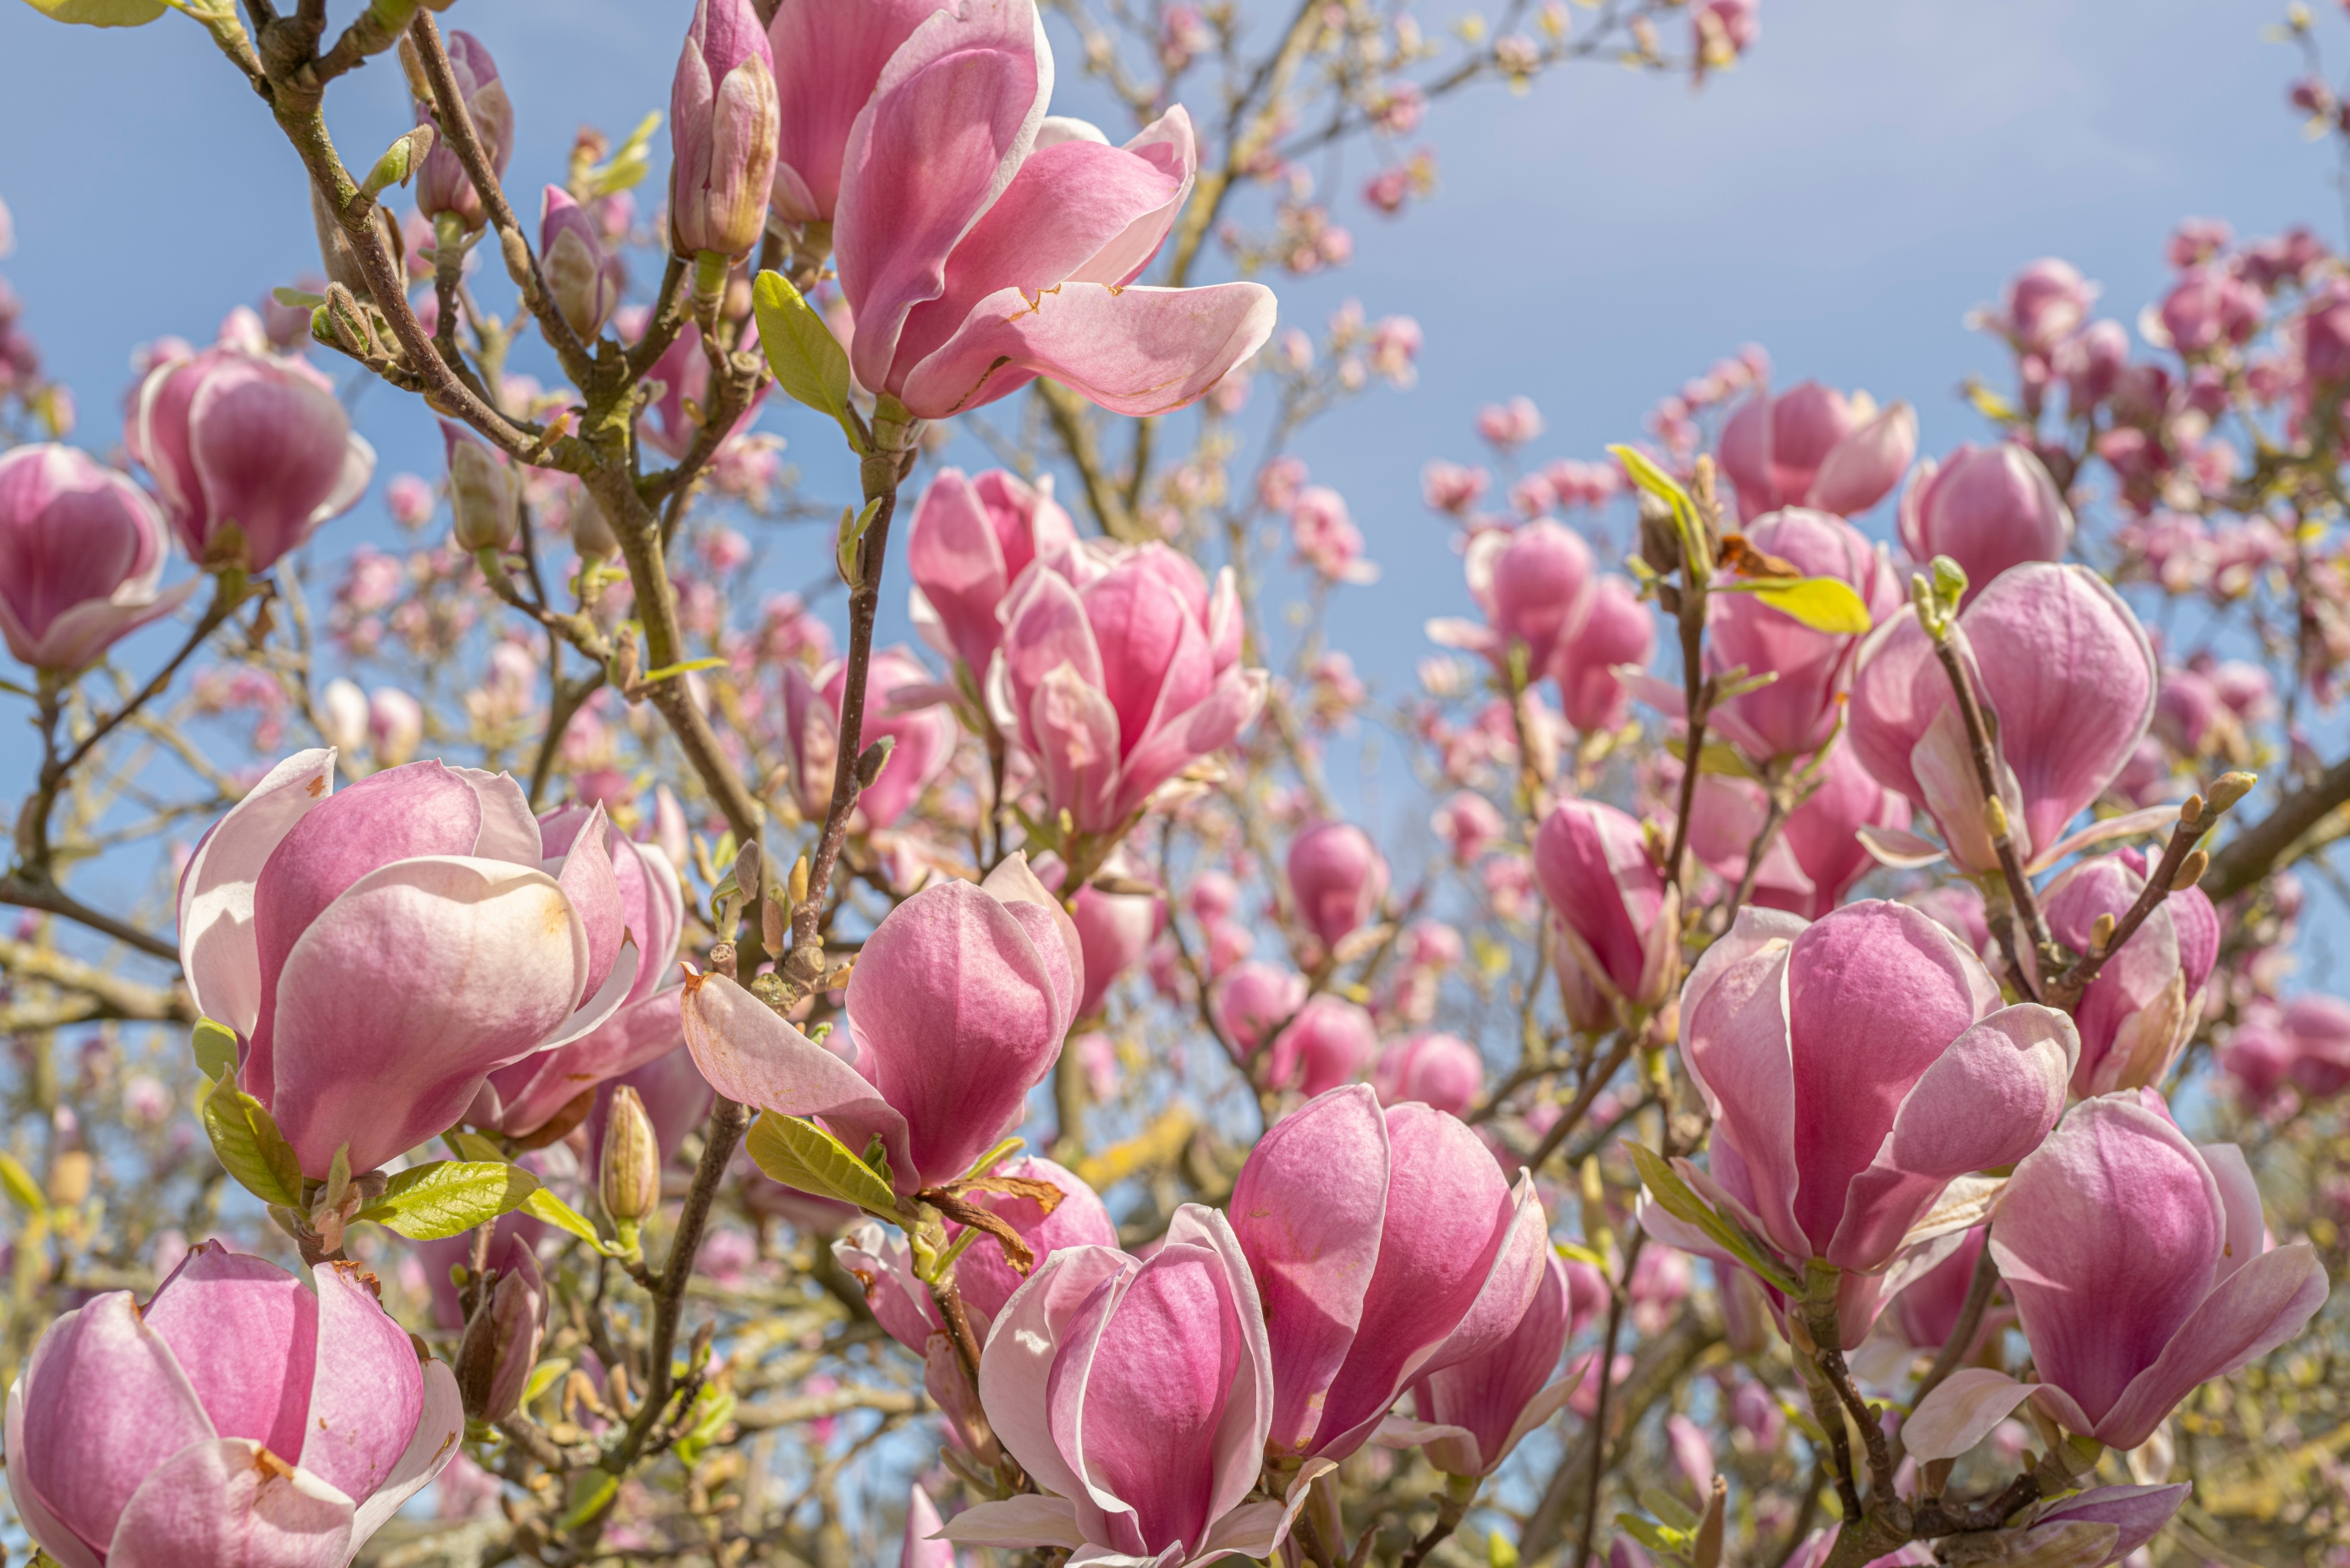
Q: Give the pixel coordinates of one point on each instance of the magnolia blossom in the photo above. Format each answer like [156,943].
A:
[723,121]
[239,1417]
[1987,508]
[1255,999]
[1857,1067]
[1797,711]
[1474,1414]
[250,453]
[1817,854]
[1617,631]
[901,703]
[81,557]
[1433,1069]
[1618,920]
[827,53]
[1535,584]
[1811,446]
[2143,1007]
[441,184]
[970,541]
[2140,1268]
[1136,1394]
[1328,1042]
[644,1028]
[973,264]
[381,950]
[585,278]
[1119,669]
[1387,1246]
[1337,876]
[957,1009]
[2066,677]
[1326,538]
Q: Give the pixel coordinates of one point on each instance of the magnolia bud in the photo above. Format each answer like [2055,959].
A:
[629,1178]
[501,1342]
[591,534]
[481,492]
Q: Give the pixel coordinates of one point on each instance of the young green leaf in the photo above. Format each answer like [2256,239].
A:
[803,1156]
[427,1202]
[21,1187]
[1675,1197]
[592,1492]
[809,361]
[215,1048]
[545,1205]
[1824,604]
[250,1148]
[101,12]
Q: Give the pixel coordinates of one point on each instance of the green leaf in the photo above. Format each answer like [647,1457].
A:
[717,1407]
[428,1202]
[215,1048]
[592,1492]
[1648,1535]
[1697,556]
[994,1157]
[809,361]
[629,163]
[667,671]
[21,1187]
[545,1205]
[1824,604]
[853,525]
[804,1156]
[472,1145]
[1675,1197]
[250,1148]
[100,13]
[297,298]
[1675,1513]
[544,1376]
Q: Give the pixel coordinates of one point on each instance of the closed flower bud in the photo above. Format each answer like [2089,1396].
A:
[585,278]
[501,1344]
[629,1178]
[442,186]
[723,121]
[82,551]
[481,492]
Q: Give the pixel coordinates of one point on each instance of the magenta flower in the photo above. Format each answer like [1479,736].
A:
[723,118]
[1811,446]
[246,442]
[1337,876]
[1253,1000]
[1618,630]
[2061,666]
[957,1009]
[381,950]
[1136,1394]
[2140,1268]
[2041,305]
[972,539]
[923,1546]
[1114,928]
[1535,584]
[81,558]
[2143,1007]
[1329,1042]
[1817,854]
[827,54]
[1386,1245]
[1987,508]
[924,734]
[442,186]
[644,1028]
[585,278]
[1119,669]
[241,1416]
[1433,1069]
[975,263]
[1856,1067]
[1474,1414]
[1796,713]
[2318,1028]
[1619,920]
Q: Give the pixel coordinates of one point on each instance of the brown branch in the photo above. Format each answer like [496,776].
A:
[2011,865]
[108,995]
[2196,819]
[2261,848]
[374,30]
[50,899]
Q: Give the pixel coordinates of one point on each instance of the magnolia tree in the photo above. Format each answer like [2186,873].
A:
[528,1052]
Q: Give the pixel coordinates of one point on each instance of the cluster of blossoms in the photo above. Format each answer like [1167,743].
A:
[654,1003]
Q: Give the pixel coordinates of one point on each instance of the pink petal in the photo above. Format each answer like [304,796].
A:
[587,880]
[1961,1411]
[532,1090]
[1027,1339]
[752,1057]
[1045,628]
[48,1531]
[1078,1220]
[829,55]
[1075,737]
[2255,1309]
[269,448]
[1177,743]
[370,1392]
[439,1425]
[1734,1038]
[218,948]
[246,1333]
[1153,651]
[222,1501]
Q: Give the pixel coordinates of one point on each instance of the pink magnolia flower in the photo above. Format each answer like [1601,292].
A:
[2043,304]
[972,540]
[585,277]
[1840,1120]
[1253,1000]
[499,1349]
[2143,1007]
[1798,711]
[1338,878]
[1535,584]
[526,1095]
[1817,854]
[975,263]
[2064,670]
[1119,669]
[1327,1043]
[1433,1069]
[239,1417]
[2318,1027]
[723,123]
[1136,1395]
[900,702]
[1987,508]
[1618,920]
[395,725]
[923,1547]
[442,186]
[1811,446]
[1474,1414]
[828,54]
[2140,1268]
[957,1009]
[81,557]
[381,950]
[1468,823]
[1618,630]
[1325,536]
[1114,930]
[250,453]
[2208,308]
[1387,1246]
